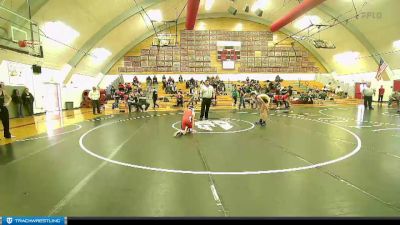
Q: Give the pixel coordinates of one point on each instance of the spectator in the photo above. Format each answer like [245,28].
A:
[242,94]
[112,90]
[170,80]
[5,100]
[94,95]
[148,80]
[277,79]
[135,81]
[187,84]
[323,95]
[17,99]
[290,92]
[195,97]
[179,99]
[192,81]
[155,97]
[381,93]
[331,87]
[28,100]
[116,100]
[133,101]
[339,91]
[395,97]
[121,87]
[173,88]
[143,101]
[128,88]
[235,95]
[155,81]
[180,79]
[164,83]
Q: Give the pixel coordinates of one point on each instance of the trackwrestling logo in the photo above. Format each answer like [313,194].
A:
[33,220]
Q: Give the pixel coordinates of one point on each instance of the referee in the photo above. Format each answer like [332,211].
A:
[207,94]
[94,95]
[368,92]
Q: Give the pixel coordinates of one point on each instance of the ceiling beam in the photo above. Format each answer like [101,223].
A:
[355,32]
[245,17]
[103,32]
[106,29]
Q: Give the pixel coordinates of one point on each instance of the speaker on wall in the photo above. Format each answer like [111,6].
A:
[36,69]
[259,12]
[232,10]
[247,9]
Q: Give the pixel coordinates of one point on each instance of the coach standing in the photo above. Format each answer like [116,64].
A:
[207,94]
[95,96]
[5,100]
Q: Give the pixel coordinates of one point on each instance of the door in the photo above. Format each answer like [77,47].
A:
[396,85]
[52,98]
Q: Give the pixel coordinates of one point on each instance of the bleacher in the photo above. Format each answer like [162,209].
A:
[223,101]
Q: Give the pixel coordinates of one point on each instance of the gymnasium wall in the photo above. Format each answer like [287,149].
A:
[396,74]
[24,77]
[348,82]
[220,24]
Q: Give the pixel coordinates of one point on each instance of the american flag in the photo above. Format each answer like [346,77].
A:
[382,67]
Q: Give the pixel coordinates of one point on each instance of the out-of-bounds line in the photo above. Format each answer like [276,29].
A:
[393,155]
[101,118]
[386,129]
[67,198]
[337,177]
[50,136]
[34,153]
[214,192]
[359,127]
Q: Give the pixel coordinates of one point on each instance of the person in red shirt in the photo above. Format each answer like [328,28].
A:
[381,93]
[187,122]
[121,87]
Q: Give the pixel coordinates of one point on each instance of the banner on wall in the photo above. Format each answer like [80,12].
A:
[15,73]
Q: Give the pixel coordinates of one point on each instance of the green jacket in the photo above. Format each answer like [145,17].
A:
[235,93]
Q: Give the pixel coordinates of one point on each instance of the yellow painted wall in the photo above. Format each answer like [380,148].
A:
[226,24]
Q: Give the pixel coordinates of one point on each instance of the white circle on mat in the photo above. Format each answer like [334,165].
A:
[286,170]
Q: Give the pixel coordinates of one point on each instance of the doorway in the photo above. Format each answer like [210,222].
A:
[52,98]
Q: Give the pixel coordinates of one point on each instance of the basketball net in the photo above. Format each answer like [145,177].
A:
[25,43]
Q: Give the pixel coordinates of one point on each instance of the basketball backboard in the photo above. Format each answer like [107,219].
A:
[17,31]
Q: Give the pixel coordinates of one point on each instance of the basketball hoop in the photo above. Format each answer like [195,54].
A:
[24,43]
